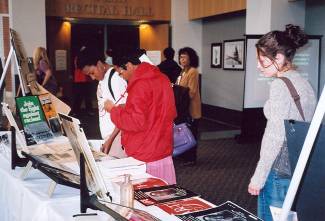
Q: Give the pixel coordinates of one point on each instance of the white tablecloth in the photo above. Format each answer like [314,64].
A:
[27,200]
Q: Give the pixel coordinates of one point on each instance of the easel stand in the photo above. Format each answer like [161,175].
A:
[29,162]
[91,201]
[56,175]
[11,52]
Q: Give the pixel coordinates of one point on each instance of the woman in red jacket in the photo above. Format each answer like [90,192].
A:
[146,120]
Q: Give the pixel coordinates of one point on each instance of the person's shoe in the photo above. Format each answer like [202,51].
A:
[189,163]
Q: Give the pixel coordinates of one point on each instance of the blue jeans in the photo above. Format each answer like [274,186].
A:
[273,193]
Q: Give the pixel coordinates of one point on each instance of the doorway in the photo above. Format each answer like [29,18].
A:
[122,38]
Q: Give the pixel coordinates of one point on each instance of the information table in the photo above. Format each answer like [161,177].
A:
[27,199]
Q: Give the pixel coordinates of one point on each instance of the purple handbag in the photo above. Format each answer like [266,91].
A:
[183,139]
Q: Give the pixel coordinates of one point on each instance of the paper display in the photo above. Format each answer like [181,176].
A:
[148,183]
[118,167]
[225,211]
[50,113]
[183,206]
[60,60]
[155,195]
[79,143]
[60,152]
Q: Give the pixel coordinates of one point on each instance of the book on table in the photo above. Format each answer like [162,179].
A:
[33,119]
[148,183]
[162,194]
[51,115]
[183,206]
[225,211]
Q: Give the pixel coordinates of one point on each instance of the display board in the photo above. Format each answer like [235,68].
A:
[307,60]
[79,143]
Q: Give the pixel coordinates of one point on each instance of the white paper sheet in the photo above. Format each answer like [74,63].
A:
[276,214]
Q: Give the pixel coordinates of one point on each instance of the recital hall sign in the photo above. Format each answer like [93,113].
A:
[110,9]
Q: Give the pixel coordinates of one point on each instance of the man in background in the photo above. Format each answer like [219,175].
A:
[169,66]
[81,90]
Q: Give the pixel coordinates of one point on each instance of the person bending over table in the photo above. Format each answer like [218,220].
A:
[146,119]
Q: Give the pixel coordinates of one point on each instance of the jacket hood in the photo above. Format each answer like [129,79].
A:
[144,71]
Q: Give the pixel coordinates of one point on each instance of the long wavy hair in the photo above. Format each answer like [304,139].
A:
[40,54]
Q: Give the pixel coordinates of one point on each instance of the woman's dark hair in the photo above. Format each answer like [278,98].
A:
[283,42]
[194,59]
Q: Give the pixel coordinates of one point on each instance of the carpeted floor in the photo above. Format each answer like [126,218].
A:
[222,172]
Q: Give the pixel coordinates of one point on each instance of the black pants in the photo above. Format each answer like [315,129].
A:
[191,155]
[82,91]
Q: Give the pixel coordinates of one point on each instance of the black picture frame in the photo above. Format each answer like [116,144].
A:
[216,55]
[234,54]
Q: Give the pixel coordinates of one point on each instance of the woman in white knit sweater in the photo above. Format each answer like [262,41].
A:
[275,52]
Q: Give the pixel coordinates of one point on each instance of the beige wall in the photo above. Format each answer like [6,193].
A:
[154,37]
[205,8]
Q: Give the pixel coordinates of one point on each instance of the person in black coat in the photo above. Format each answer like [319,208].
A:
[169,66]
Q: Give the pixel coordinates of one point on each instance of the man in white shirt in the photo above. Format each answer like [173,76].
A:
[111,86]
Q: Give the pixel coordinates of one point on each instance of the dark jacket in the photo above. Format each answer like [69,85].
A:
[171,69]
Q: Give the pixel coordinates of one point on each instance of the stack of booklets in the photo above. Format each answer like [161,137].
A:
[118,167]
[185,204]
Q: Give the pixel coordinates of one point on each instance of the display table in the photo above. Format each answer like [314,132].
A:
[28,200]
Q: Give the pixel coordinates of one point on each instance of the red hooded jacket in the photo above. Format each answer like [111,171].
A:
[146,120]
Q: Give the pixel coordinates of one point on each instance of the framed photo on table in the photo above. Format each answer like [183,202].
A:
[234,54]
[216,55]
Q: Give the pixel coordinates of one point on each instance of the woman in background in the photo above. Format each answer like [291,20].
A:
[189,78]
[43,70]
[275,52]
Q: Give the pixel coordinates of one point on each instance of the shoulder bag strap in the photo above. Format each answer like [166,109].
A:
[294,95]
[110,84]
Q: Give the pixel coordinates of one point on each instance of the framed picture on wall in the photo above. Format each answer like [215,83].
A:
[233,54]
[216,55]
